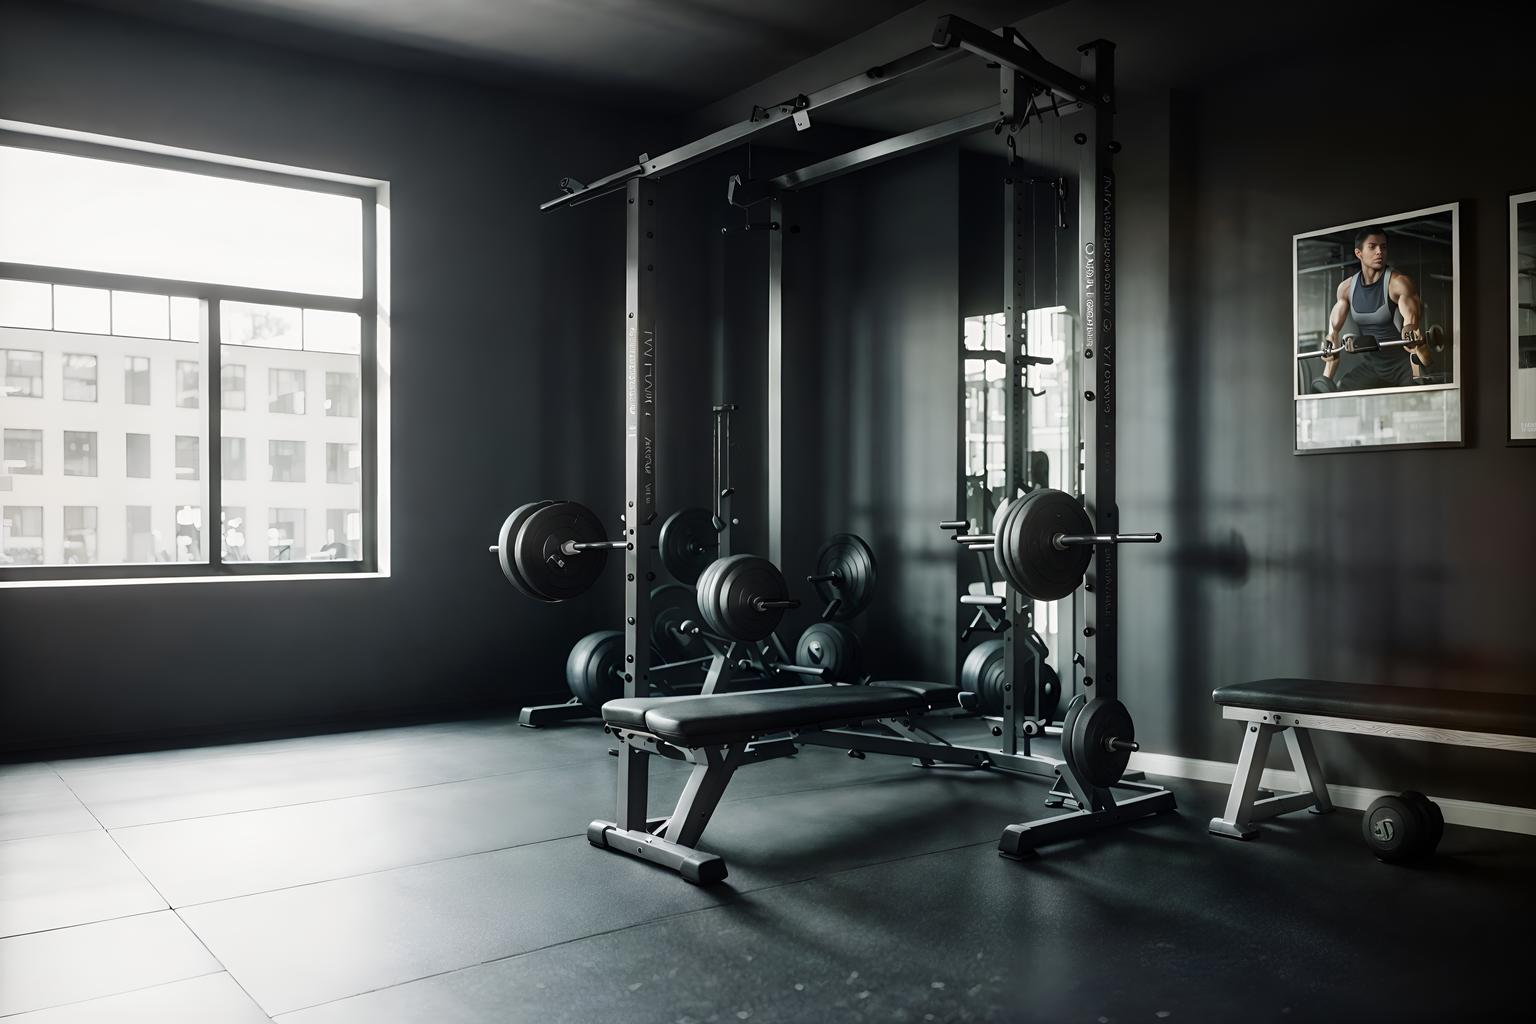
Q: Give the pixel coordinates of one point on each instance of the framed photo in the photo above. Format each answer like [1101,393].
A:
[1376,360]
[1522,318]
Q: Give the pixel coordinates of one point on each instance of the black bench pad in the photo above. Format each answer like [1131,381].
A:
[699,721]
[1508,714]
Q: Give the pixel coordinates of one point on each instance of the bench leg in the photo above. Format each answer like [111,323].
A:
[1236,821]
[1308,772]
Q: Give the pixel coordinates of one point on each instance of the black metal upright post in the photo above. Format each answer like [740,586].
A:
[1013,95]
[639,477]
[1096,239]
[776,382]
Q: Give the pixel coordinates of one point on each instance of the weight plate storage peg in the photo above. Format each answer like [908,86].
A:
[672,604]
[845,573]
[1103,739]
[688,542]
[832,647]
[543,557]
[594,668]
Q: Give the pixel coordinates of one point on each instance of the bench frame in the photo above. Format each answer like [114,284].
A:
[1245,806]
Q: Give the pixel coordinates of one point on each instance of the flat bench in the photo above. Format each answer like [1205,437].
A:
[718,733]
[1293,708]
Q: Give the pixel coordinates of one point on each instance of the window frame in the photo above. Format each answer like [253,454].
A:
[372,196]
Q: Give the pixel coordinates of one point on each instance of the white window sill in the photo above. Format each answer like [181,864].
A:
[161,580]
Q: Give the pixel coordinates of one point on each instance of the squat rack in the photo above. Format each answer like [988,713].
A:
[1029,85]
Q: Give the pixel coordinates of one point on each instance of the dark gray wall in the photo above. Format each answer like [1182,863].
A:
[507,344]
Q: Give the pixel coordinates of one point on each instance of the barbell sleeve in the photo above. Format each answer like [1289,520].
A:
[804,670]
[572,547]
[495,549]
[954,524]
[1062,541]
[1117,744]
[976,539]
[826,577]
[763,604]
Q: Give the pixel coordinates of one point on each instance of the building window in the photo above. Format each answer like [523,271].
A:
[185,233]
[232,458]
[79,535]
[286,461]
[141,545]
[343,533]
[79,453]
[138,456]
[136,380]
[233,377]
[23,529]
[343,394]
[189,457]
[285,391]
[188,384]
[24,452]
[23,374]
[79,378]
[285,535]
[232,536]
[341,463]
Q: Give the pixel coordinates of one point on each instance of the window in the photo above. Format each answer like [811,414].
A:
[23,374]
[189,533]
[132,255]
[79,453]
[285,391]
[138,456]
[232,537]
[79,378]
[189,460]
[285,535]
[22,526]
[140,534]
[233,378]
[343,533]
[79,535]
[232,458]
[188,384]
[286,461]
[342,394]
[136,380]
[24,452]
[341,463]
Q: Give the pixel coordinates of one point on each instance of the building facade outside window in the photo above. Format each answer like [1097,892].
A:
[23,451]
[79,377]
[23,374]
[79,453]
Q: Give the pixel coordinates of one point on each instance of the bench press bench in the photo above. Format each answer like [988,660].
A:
[718,733]
[1293,708]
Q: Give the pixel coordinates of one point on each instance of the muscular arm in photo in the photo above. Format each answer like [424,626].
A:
[1406,294]
[1336,317]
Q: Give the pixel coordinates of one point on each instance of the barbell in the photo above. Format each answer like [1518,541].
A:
[1434,338]
[1044,541]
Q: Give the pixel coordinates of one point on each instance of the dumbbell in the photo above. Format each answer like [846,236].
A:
[1404,828]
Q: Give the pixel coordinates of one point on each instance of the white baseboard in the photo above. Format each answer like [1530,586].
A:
[1502,817]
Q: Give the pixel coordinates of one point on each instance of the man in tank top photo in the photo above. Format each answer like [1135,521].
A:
[1384,304]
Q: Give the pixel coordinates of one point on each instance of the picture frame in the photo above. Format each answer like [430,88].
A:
[1365,374]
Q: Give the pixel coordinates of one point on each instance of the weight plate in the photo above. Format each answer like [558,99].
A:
[505,541]
[688,542]
[973,668]
[1002,548]
[1095,725]
[1029,556]
[1432,819]
[704,591]
[672,604]
[1069,726]
[852,559]
[547,569]
[743,581]
[594,668]
[831,646]
[1392,829]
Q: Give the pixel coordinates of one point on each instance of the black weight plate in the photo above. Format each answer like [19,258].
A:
[973,668]
[593,669]
[672,604]
[831,646]
[707,593]
[508,538]
[1392,829]
[1034,564]
[688,542]
[1002,529]
[1099,721]
[1432,819]
[1069,727]
[851,558]
[546,568]
[742,584]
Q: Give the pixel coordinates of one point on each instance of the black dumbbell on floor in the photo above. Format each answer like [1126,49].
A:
[1404,828]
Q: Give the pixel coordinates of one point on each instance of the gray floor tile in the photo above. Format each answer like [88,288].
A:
[34,801]
[129,794]
[299,947]
[211,999]
[93,960]
[77,878]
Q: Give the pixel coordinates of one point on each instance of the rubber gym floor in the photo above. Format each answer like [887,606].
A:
[440,873]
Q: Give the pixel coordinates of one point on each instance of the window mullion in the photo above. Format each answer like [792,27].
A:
[214,359]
